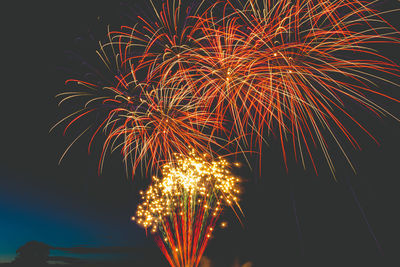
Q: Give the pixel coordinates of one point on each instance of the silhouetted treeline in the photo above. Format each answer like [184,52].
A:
[88,264]
[37,254]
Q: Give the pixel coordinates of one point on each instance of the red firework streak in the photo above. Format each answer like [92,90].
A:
[187,236]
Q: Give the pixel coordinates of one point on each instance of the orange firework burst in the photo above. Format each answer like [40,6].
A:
[184,205]
[312,56]
[291,64]
[146,121]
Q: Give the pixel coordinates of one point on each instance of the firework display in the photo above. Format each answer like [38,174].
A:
[199,81]
[234,71]
[183,206]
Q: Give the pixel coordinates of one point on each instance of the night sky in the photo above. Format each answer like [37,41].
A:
[290,217]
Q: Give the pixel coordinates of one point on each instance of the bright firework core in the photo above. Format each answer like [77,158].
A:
[185,204]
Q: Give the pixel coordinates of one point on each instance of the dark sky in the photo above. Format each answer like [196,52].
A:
[290,217]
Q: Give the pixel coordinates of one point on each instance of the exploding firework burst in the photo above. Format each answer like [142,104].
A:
[289,67]
[146,121]
[313,56]
[183,206]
